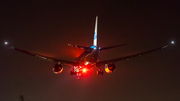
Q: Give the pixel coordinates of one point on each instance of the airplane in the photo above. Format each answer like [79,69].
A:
[89,58]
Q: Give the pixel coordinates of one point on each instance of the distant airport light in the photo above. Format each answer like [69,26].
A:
[172,42]
[5,43]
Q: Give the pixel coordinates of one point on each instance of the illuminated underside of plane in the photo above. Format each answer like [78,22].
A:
[88,59]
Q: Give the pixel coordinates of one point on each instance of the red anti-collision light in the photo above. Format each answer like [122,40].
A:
[84,70]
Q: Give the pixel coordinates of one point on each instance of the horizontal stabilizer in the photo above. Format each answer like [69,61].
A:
[105,48]
[80,47]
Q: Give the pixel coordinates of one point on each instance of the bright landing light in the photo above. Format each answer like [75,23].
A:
[172,42]
[5,43]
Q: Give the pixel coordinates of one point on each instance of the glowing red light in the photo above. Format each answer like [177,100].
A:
[84,70]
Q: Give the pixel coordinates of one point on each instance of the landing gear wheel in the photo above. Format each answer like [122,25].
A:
[72,73]
[100,72]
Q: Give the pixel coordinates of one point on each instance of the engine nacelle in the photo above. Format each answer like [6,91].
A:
[109,67]
[57,68]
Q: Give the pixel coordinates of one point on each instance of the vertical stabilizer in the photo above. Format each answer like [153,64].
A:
[95,32]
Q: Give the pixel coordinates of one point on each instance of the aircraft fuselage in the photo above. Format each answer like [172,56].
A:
[89,56]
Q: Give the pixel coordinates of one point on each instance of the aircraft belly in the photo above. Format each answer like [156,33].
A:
[93,56]
[88,56]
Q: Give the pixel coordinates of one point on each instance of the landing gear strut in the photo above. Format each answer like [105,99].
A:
[72,73]
[99,71]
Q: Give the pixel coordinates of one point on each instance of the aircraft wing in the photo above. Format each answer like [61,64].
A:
[130,56]
[43,57]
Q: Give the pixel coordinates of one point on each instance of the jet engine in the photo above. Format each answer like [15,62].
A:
[57,68]
[109,67]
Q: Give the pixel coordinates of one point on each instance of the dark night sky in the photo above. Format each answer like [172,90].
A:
[47,27]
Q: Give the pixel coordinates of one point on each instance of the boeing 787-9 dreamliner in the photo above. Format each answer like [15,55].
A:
[89,58]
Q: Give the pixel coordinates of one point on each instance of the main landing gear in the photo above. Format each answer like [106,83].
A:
[76,73]
[73,73]
[99,71]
